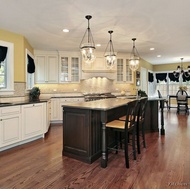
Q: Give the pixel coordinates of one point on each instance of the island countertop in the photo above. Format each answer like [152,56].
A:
[105,104]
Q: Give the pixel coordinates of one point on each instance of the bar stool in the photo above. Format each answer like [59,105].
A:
[126,127]
[140,118]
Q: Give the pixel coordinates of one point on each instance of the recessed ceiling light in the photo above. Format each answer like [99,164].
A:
[152,49]
[159,56]
[66,30]
[98,45]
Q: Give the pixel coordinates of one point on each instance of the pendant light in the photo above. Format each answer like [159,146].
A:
[134,57]
[109,53]
[88,47]
[180,71]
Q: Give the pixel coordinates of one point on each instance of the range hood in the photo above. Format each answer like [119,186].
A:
[98,69]
[91,74]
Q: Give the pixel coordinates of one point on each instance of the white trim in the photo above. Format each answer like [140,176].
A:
[27,52]
[10,69]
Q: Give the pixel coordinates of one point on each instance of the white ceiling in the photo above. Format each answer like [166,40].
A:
[162,24]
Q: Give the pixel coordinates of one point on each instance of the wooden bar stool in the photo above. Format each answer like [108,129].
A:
[140,123]
[126,127]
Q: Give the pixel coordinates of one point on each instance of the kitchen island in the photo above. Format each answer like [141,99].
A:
[84,131]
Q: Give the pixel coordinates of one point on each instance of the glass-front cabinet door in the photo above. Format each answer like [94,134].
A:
[64,75]
[75,69]
[124,73]
[69,69]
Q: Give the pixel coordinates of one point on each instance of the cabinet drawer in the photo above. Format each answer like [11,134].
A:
[9,110]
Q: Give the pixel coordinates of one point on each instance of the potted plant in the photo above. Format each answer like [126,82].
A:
[142,93]
[34,94]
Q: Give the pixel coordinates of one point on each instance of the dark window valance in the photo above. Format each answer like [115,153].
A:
[186,78]
[3,53]
[161,77]
[150,77]
[31,65]
[173,78]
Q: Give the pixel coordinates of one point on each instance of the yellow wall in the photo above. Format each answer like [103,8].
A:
[169,67]
[146,65]
[20,44]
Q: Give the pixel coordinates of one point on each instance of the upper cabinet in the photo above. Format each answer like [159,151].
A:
[46,67]
[69,67]
[124,73]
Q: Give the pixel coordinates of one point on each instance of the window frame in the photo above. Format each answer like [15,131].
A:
[29,76]
[9,89]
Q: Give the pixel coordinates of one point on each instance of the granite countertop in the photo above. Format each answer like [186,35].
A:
[6,104]
[103,104]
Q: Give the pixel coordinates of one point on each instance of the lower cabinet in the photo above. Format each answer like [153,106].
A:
[10,125]
[32,120]
[22,123]
[57,109]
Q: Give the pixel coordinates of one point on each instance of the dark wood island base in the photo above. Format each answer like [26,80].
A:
[84,134]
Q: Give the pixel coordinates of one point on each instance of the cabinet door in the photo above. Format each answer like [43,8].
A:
[10,129]
[55,109]
[75,67]
[46,69]
[69,69]
[40,71]
[124,73]
[52,69]
[33,120]
[64,70]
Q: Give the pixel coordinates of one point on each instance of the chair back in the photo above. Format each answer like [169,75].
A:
[131,113]
[142,108]
[159,94]
[181,95]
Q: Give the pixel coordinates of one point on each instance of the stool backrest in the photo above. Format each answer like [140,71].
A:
[143,103]
[131,113]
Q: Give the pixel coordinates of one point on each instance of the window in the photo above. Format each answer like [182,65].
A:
[169,87]
[29,75]
[7,70]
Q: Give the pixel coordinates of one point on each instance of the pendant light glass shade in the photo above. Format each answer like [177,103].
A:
[109,53]
[134,58]
[88,47]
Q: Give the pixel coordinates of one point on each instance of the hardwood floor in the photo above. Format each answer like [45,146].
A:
[165,163]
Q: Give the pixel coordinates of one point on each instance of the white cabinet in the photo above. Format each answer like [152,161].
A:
[10,125]
[69,68]
[33,120]
[57,109]
[124,73]
[54,109]
[46,68]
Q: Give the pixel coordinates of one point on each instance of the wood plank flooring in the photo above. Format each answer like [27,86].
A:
[165,163]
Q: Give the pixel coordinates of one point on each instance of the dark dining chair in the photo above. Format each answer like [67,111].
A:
[182,102]
[165,100]
[126,127]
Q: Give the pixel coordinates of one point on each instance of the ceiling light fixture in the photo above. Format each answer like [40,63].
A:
[87,49]
[66,30]
[109,53]
[134,57]
[180,70]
